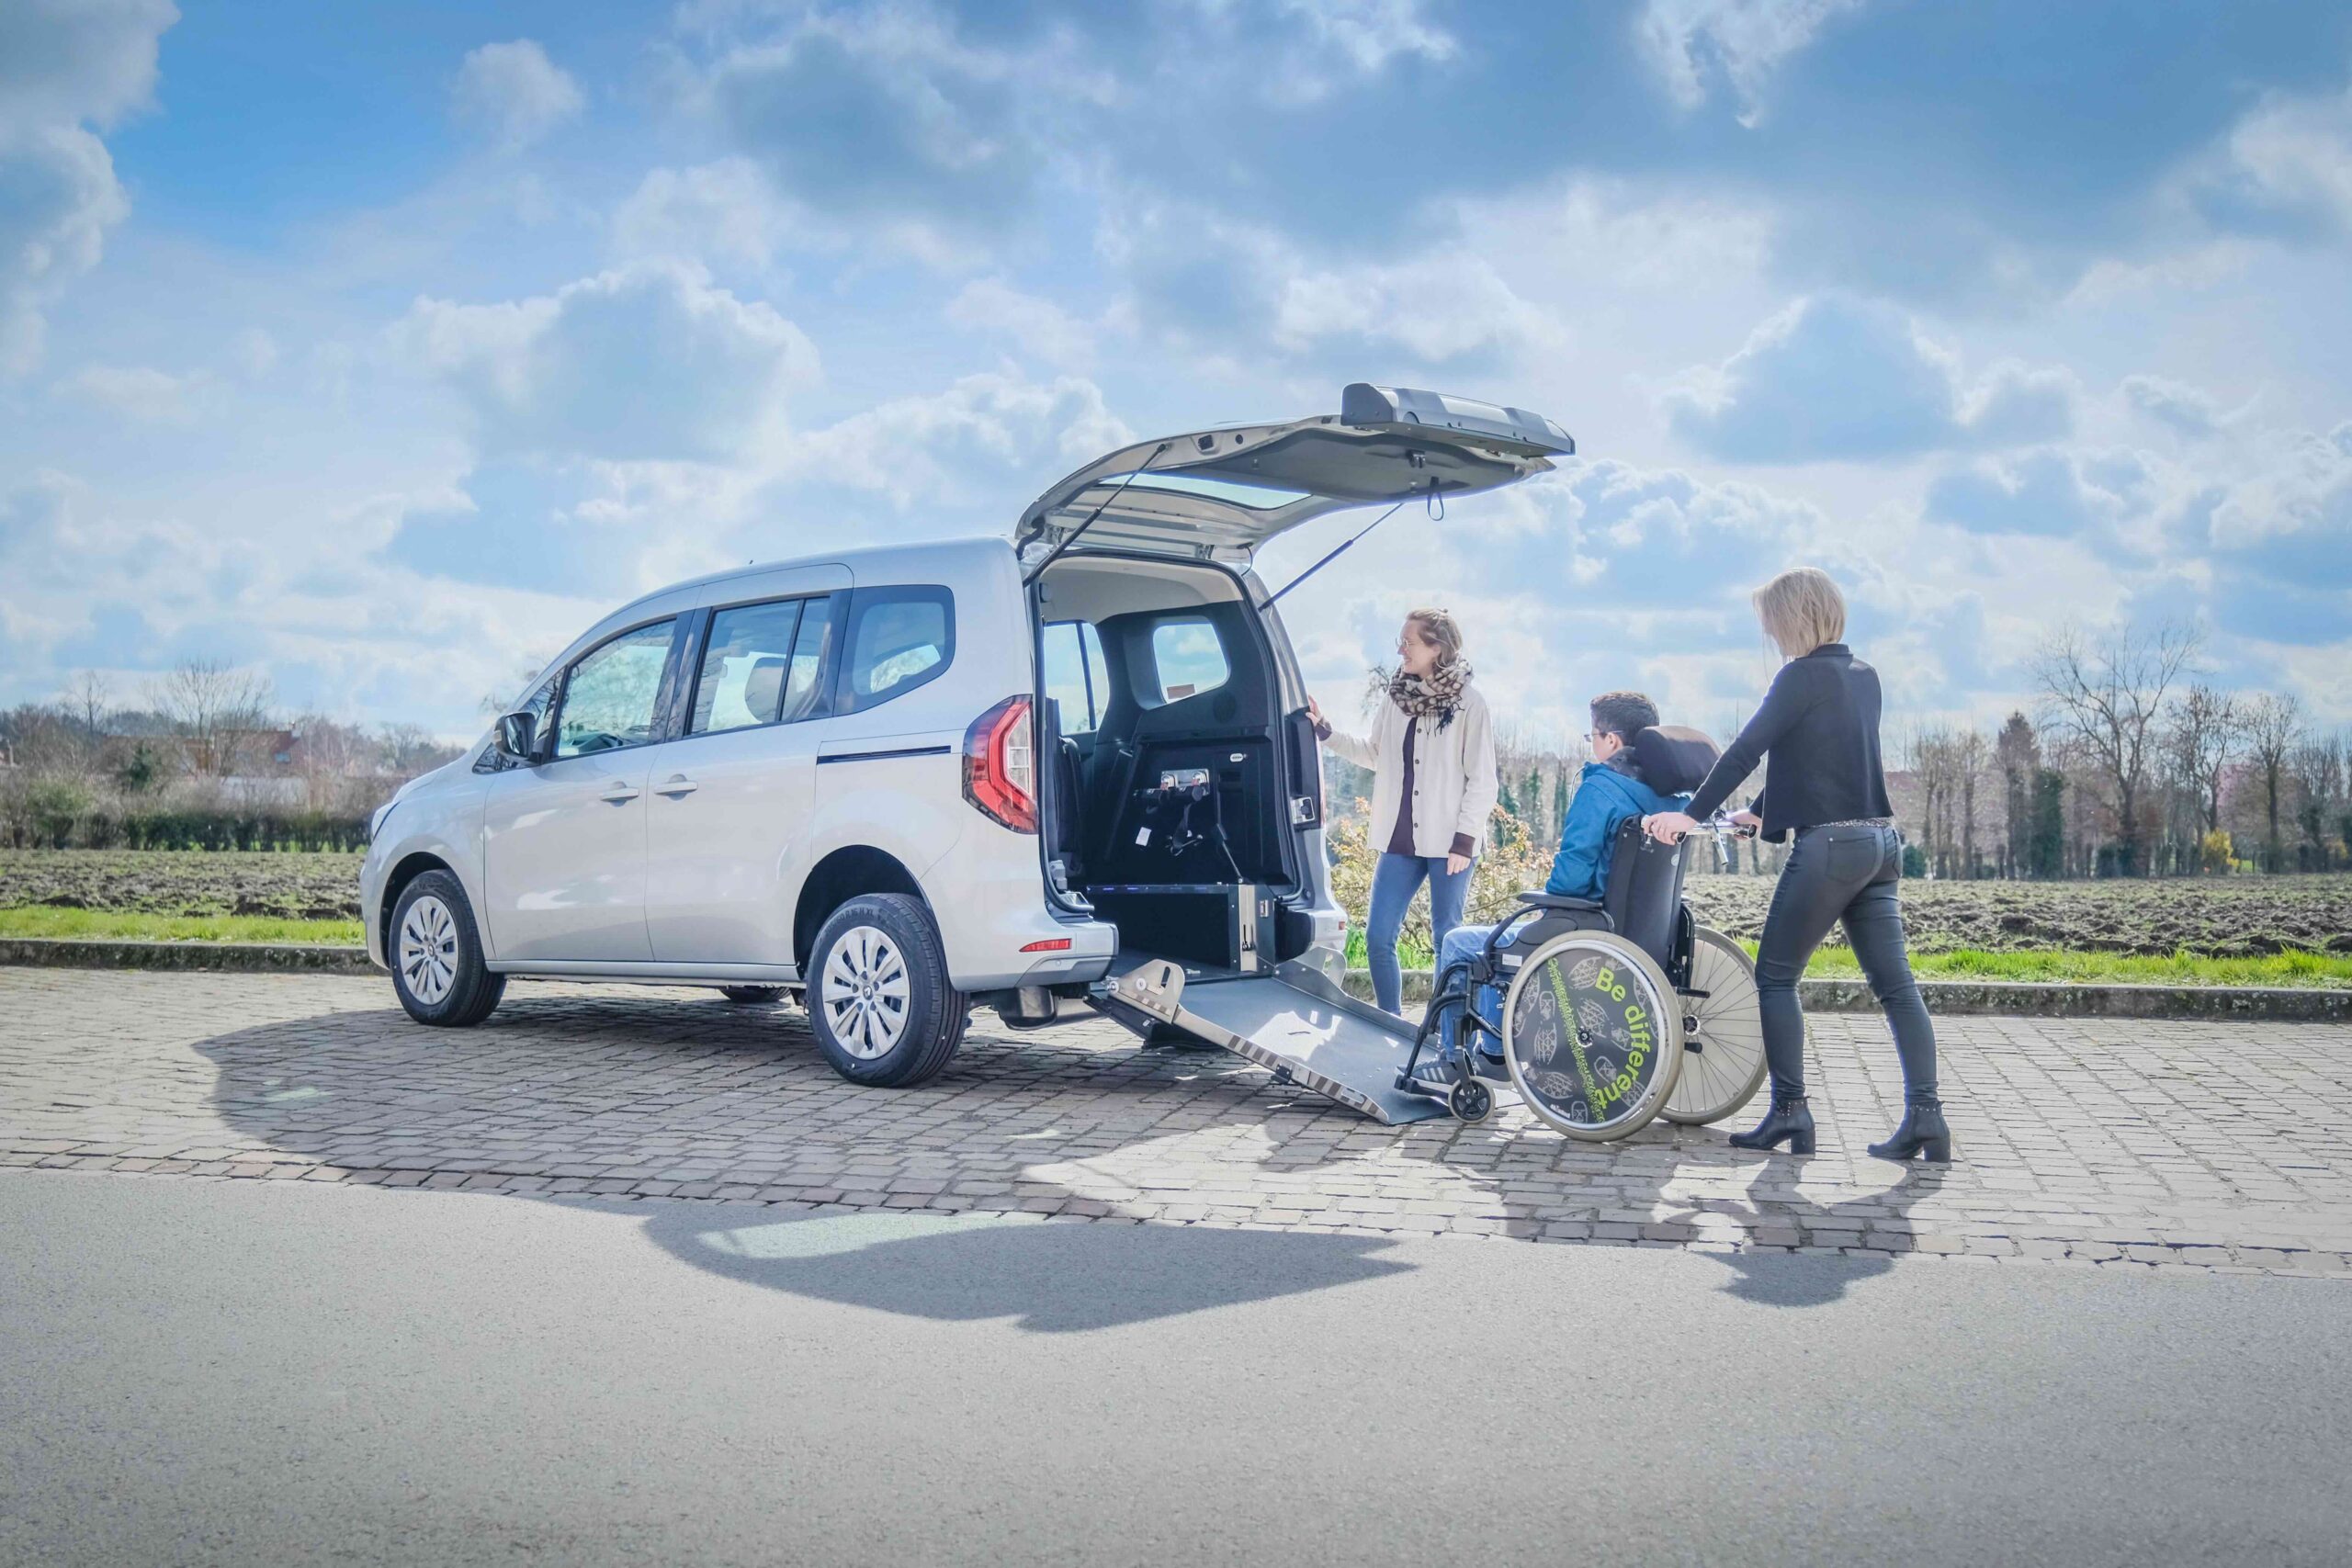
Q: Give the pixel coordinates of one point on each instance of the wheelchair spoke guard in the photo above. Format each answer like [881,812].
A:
[1593,1034]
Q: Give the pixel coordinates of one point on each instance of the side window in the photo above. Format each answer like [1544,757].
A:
[1074,675]
[746,665]
[899,638]
[1189,658]
[610,696]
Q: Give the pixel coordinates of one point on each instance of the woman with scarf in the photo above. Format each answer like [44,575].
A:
[1431,752]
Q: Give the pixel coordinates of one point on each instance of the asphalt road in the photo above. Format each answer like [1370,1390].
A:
[199,1372]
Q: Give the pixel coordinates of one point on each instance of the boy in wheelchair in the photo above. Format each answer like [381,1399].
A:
[1614,787]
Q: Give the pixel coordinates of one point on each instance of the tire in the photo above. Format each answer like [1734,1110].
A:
[435,952]
[1723,1056]
[879,999]
[1591,1018]
[753,996]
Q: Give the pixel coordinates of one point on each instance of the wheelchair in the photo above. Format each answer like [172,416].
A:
[1615,1011]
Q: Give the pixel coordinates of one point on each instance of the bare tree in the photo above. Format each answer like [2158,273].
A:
[89,698]
[2105,691]
[2318,768]
[408,750]
[2204,731]
[1969,752]
[216,712]
[2274,726]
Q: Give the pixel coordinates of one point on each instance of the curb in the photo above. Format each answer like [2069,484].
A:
[2013,999]
[241,957]
[2032,999]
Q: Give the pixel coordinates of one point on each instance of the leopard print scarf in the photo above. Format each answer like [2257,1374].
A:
[1440,694]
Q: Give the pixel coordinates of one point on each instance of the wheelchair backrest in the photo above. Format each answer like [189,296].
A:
[1643,897]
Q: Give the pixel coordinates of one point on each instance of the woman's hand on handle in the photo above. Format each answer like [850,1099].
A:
[1747,819]
[1669,827]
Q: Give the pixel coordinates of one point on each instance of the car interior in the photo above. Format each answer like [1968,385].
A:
[1164,749]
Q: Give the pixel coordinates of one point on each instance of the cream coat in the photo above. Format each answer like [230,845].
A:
[1454,773]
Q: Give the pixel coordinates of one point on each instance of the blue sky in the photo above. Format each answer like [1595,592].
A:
[386,347]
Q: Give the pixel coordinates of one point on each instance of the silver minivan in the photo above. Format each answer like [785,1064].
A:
[1060,774]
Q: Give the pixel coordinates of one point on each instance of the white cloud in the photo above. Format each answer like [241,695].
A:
[1037,326]
[64,65]
[2287,165]
[723,212]
[1692,42]
[513,92]
[65,62]
[141,392]
[987,436]
[1370,33]
[651,361]
[1836,377]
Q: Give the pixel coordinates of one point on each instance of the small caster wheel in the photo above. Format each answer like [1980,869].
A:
[1471,1100]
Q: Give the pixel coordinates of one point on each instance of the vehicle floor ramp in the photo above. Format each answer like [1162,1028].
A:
[1295,1022]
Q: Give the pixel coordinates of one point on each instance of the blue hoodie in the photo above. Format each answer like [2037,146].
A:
[1604,798]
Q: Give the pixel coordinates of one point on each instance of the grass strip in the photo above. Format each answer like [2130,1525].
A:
[2299,968]
[118,925]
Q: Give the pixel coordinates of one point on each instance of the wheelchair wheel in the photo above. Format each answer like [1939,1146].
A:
[1723,1046]
[1471,1100]
[1593,1034]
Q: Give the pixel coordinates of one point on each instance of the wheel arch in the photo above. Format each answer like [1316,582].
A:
[405,871]
[850,872]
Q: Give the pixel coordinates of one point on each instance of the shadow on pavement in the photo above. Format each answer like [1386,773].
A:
[1053,1278]
[680,1091]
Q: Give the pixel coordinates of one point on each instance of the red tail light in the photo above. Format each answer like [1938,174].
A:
[1001,765]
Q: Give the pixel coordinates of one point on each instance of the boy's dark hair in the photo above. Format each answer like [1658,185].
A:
[1622,714]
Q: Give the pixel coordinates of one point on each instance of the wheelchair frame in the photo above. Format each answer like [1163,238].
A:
[1722,1015]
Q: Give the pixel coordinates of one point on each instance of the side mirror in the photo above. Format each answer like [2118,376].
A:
[518,735]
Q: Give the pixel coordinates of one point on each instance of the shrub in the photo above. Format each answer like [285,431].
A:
[2215,851]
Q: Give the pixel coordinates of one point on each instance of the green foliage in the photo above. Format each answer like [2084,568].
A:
[139,770]
[2046,838]
[1914,861]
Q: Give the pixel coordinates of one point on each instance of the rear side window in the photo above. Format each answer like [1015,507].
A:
[759,665]
[1189,659]
[1075,676]
[899,638]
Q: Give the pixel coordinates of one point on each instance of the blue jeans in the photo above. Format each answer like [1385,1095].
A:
[1460,946]
[1393,882]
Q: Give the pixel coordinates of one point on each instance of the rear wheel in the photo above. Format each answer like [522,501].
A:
[1722,1049]
[879,999]
[753,996]
[439,971]
[1592,1035]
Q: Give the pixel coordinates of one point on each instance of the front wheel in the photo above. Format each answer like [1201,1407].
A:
[437,967]
[879,999]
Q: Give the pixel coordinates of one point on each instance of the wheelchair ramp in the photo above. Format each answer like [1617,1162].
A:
[1294,1022]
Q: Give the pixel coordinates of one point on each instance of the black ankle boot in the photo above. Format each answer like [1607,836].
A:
[1923,1133]
[1790,1119]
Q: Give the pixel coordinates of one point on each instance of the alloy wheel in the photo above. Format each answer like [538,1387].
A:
[429,949]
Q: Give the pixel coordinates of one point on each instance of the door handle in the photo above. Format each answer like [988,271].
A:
[619,792]
[678,786]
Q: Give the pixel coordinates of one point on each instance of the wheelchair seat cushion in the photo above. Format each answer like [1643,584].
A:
[1558,901]
[1674,760]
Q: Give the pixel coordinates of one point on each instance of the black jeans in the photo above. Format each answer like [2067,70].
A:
[1850,874]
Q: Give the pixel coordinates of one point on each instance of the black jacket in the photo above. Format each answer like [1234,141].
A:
[1819,725]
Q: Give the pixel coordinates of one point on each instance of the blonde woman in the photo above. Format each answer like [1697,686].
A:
[1431,752]
[1819,726]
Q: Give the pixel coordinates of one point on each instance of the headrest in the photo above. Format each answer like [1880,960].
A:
[1674,760]
[763,689]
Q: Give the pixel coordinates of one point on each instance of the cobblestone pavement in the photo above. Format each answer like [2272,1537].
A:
[2114,1142]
